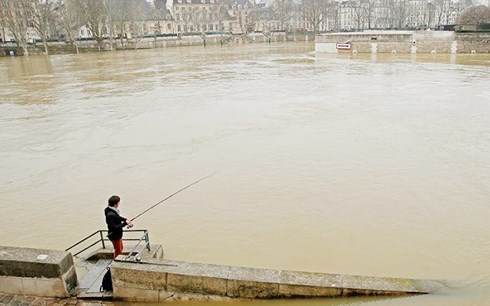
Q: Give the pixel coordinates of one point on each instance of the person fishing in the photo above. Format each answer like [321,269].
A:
[115,223]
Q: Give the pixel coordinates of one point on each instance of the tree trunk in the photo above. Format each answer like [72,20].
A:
[45,44]
[26,52]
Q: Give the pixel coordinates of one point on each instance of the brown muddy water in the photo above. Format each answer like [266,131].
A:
[369,164]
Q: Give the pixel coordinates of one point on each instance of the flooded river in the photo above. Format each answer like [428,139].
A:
[369,165]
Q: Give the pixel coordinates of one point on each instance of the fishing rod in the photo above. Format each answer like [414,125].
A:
[180,190]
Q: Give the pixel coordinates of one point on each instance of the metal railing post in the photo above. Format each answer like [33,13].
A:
[102,239]
[147,238]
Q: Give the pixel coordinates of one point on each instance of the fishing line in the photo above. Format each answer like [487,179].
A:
[178,191]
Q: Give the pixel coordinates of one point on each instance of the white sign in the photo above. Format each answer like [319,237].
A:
[42,257]
[343,46]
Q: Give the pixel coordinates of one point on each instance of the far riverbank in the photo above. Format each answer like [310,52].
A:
[156,42]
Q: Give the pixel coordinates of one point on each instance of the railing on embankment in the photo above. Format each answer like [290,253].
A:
[100,238]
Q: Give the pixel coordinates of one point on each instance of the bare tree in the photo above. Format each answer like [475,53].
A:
[368,7]
[70,20]
[111,8]
[429,15]
[16,15]
[442,10]
[2,24]
[161,15]
[240,12]
[357,13]
[120,17]
[42,20]
[202,20]
[476,15]
[283,10]
[401,13]
[186,18]
[389,13]
[94,13]
[136,19]
[317,11]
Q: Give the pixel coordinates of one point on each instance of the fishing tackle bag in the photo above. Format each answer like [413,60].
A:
[106,281]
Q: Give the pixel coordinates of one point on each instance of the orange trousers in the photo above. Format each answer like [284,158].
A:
[118,247]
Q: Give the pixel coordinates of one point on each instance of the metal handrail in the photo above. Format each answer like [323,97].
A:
[102,240]
[146,245]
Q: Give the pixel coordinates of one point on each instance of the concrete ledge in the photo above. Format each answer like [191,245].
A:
[36,272]
[156,281]
[446,42]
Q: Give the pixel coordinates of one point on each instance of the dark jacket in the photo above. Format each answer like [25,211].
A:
[115,224]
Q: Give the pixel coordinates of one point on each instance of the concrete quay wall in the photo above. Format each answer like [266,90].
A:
[158,281]
[36,272]
[404,42]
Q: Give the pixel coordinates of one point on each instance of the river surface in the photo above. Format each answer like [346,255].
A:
[372,165]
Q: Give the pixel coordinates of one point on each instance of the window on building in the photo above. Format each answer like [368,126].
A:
[179,29]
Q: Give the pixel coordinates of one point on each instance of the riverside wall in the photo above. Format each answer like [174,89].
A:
[36,272]
[155,42]
[52,274]
[448,42]
[157,281]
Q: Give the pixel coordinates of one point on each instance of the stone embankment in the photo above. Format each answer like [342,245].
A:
[155,42]
[26,275]
[37,272]
[445,42]
[156,281]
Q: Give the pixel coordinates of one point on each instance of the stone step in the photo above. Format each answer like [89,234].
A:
[94,276]
[89,287]
[92,270]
